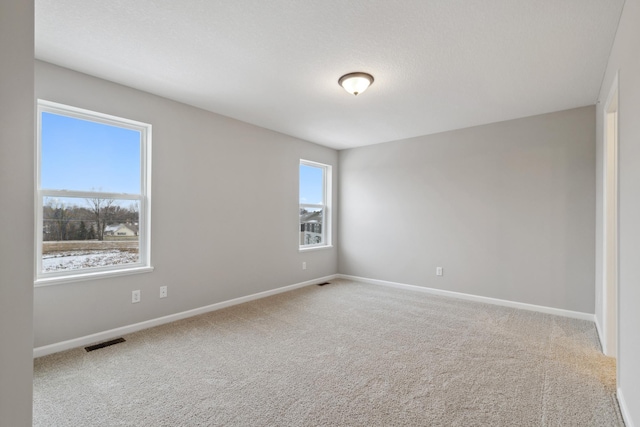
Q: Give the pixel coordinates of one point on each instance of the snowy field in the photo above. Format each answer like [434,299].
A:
[75,255]
[77,260]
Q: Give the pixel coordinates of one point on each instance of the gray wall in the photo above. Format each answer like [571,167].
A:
[625,59]
[224,213]
[506,209]
[16,215]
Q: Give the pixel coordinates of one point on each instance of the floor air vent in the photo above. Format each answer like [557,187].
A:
[104,344]
[325,283]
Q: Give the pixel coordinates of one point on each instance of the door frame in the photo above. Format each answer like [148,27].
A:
[610,222]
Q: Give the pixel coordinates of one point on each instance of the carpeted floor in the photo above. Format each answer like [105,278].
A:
[344,354]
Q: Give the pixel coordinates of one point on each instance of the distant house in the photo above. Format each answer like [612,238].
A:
[121,230]
[310,227]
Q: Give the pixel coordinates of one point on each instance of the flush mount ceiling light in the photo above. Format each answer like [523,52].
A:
[356,83]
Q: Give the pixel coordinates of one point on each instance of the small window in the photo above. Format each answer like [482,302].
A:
[93,187]
[315,212]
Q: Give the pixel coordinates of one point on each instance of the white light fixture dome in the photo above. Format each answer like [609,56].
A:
[355,83]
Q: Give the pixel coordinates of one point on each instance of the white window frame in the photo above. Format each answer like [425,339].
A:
[143,198]
[325,206]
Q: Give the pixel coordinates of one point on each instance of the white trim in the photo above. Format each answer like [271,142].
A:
[476,298]
[144,217]
[624,409]
[143,198]
[94,116]
[113,333]
[314,248]
[80,194]
[609,337]
[90,276]
[599,331]
[326,206]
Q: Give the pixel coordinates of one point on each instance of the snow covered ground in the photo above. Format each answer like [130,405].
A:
[74,260]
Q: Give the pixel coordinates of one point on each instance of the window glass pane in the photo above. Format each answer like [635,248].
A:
[82,155]
[311,223]
[80,233]
[311,185]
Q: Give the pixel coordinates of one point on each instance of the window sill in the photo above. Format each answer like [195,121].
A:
[90,276]
[314,248]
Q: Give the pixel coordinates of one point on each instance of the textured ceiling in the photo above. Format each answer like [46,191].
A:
[438,65]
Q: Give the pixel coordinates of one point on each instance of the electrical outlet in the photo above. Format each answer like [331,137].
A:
[135,296]
[304,265]
[163,291]
[438,271]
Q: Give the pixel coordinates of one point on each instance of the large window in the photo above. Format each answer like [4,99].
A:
[93,187]
[315,212]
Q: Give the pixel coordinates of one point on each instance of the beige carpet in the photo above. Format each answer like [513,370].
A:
[345,354]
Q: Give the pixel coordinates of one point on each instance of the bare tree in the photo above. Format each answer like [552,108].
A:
[102,212]
[59,219]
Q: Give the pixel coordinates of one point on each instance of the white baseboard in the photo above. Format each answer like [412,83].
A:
[599,331]
[476,298]
[624,409]
[113,333]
